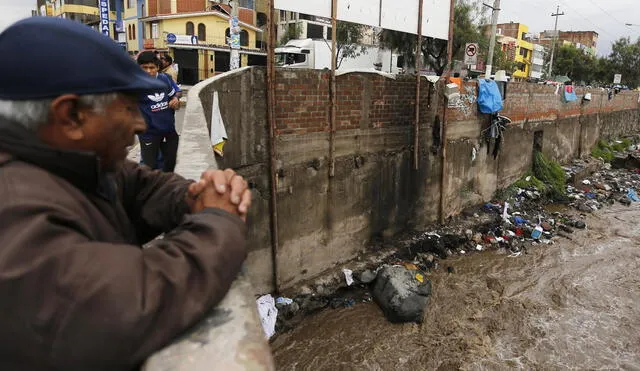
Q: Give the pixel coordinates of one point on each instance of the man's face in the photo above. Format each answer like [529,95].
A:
[110,133]
[164,62]
[150,68]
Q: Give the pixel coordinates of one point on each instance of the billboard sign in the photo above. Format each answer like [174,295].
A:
[104,17]
[398,15]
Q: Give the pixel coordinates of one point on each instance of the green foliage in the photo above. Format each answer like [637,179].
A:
[293,31]
[527,181]
[348,37]
[467,17]
[551,174]
[576,64]
[625,60]
[606,151]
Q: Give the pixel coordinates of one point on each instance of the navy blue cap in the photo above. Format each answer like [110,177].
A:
[45,57]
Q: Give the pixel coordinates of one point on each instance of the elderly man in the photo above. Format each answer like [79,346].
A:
[77,290]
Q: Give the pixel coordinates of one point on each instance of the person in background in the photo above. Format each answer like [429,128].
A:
[158,110]
[168,68]
[77,289]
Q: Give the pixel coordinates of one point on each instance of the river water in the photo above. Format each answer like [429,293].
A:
[574,305]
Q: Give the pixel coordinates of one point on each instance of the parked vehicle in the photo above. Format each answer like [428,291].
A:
[316,54]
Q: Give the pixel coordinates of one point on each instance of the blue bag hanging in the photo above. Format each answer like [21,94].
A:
[570,94]
[489,97]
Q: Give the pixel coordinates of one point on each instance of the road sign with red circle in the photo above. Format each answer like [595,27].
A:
[471,53]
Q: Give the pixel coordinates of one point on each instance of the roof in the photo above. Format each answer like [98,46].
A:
[197,14]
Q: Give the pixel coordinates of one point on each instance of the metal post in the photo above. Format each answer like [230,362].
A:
[416,128]
[492,42]
[555,38]
[271,120]
[443,179]
[332,115]
[234,36]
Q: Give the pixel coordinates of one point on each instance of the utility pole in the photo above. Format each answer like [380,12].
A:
[492,42]
[234,36]
[555,37]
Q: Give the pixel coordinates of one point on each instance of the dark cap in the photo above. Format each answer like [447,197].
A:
[45,57]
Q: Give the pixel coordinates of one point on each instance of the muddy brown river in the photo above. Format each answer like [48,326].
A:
[574,305]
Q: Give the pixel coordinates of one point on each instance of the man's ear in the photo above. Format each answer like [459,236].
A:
[67,116]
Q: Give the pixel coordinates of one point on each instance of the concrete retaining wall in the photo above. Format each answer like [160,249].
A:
[376,192]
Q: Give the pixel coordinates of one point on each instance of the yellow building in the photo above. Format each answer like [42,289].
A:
[523,52]
[198,42]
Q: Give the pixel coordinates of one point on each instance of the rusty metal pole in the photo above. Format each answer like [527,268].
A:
[416,127]
[271,121]
[443,179]
[332,115]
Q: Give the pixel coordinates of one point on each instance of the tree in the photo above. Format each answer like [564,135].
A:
[293,31]
[348,38]
[467,17]
[576,64]
[625,59]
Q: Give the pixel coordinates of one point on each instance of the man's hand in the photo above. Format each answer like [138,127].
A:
[225,183]
[174,104]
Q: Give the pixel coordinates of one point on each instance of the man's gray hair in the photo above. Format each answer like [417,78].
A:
[32,114]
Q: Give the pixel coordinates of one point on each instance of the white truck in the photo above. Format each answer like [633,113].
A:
[316,54]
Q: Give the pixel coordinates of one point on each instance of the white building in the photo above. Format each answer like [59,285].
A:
[537,61]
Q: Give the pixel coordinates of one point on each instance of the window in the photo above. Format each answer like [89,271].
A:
[523,36]
[314,31]
[154,30]
[244,38]
[524,52]
[202,32]
[190,29]
[131,4]
[134,31]
[129,31]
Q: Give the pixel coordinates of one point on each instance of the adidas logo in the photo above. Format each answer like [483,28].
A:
[157,97]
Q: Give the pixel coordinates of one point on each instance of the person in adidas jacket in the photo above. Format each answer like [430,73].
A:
[158,110]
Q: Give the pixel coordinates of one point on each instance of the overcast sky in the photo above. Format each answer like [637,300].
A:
[13,10]
[607,18]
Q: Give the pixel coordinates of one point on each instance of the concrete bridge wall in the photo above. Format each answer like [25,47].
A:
[376,192]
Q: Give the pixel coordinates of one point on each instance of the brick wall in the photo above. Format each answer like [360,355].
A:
[153,8]
[164,6]
[187,6]
[363,101]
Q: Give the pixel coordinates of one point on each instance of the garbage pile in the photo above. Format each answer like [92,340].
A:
[529,215]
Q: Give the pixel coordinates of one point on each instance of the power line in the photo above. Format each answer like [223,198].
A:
[606,12]
[586,19]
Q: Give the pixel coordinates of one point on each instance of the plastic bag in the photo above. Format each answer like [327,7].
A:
[489,97]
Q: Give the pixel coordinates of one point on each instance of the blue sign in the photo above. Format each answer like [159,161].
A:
[104,17]
[171,38]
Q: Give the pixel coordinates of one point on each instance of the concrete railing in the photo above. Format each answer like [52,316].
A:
[230,338]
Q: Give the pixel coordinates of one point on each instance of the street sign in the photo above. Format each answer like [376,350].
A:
[171,38]
[617,78]
[471,54]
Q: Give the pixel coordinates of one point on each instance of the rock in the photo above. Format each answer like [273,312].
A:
[565,228]
[287,311]
[625,200]
[367,276]
[578,224]
[400,295]
[584,208]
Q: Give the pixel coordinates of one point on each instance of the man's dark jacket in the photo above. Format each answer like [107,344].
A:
[77,290]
